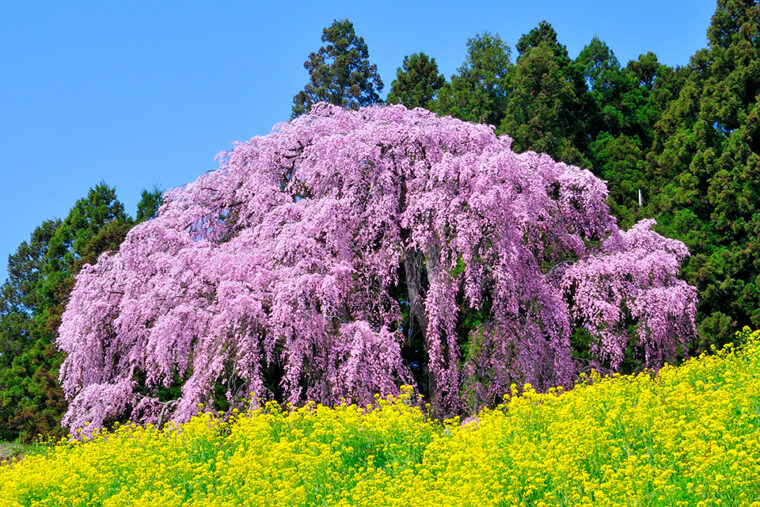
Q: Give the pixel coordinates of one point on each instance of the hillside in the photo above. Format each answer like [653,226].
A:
[683,436]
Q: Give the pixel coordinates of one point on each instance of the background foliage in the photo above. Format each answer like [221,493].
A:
[41,275]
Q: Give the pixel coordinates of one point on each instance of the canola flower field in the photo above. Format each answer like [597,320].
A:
[688,435]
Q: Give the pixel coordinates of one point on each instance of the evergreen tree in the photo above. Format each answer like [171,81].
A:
[543,33]
[340,72]
[24,268]
[610,90]
[478,92]
[41,276]
[41,405]
[619,125]
[646,68]
[150,201]
[663,82]
[620,160]
[706,164]
[417,82]
[18,299]
[545,111]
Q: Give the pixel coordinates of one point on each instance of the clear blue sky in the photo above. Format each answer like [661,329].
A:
[146,93]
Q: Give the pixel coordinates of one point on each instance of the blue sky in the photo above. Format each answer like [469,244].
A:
[146,93]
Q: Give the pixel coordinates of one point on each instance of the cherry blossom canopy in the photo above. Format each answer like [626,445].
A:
[301,265]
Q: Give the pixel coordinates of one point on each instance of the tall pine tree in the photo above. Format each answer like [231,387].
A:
[479,90]
[622,108]
[417,82]
[545,110]
[340,72]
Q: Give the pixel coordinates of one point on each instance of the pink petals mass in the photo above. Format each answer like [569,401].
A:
[302,257]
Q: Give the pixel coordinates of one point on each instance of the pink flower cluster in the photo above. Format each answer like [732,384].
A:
[291,255]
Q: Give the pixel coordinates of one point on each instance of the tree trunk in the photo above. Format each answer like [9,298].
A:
[414,267]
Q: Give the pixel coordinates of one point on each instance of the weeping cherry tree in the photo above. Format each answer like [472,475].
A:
[303,267]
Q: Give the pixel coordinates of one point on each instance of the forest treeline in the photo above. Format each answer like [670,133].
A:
[679,145]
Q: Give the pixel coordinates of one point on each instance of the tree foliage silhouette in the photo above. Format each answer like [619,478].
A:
[340,72]
[417,82]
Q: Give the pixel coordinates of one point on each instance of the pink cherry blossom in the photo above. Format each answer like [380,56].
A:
[291,256]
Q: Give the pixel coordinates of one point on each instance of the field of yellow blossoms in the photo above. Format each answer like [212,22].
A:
[689,435]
